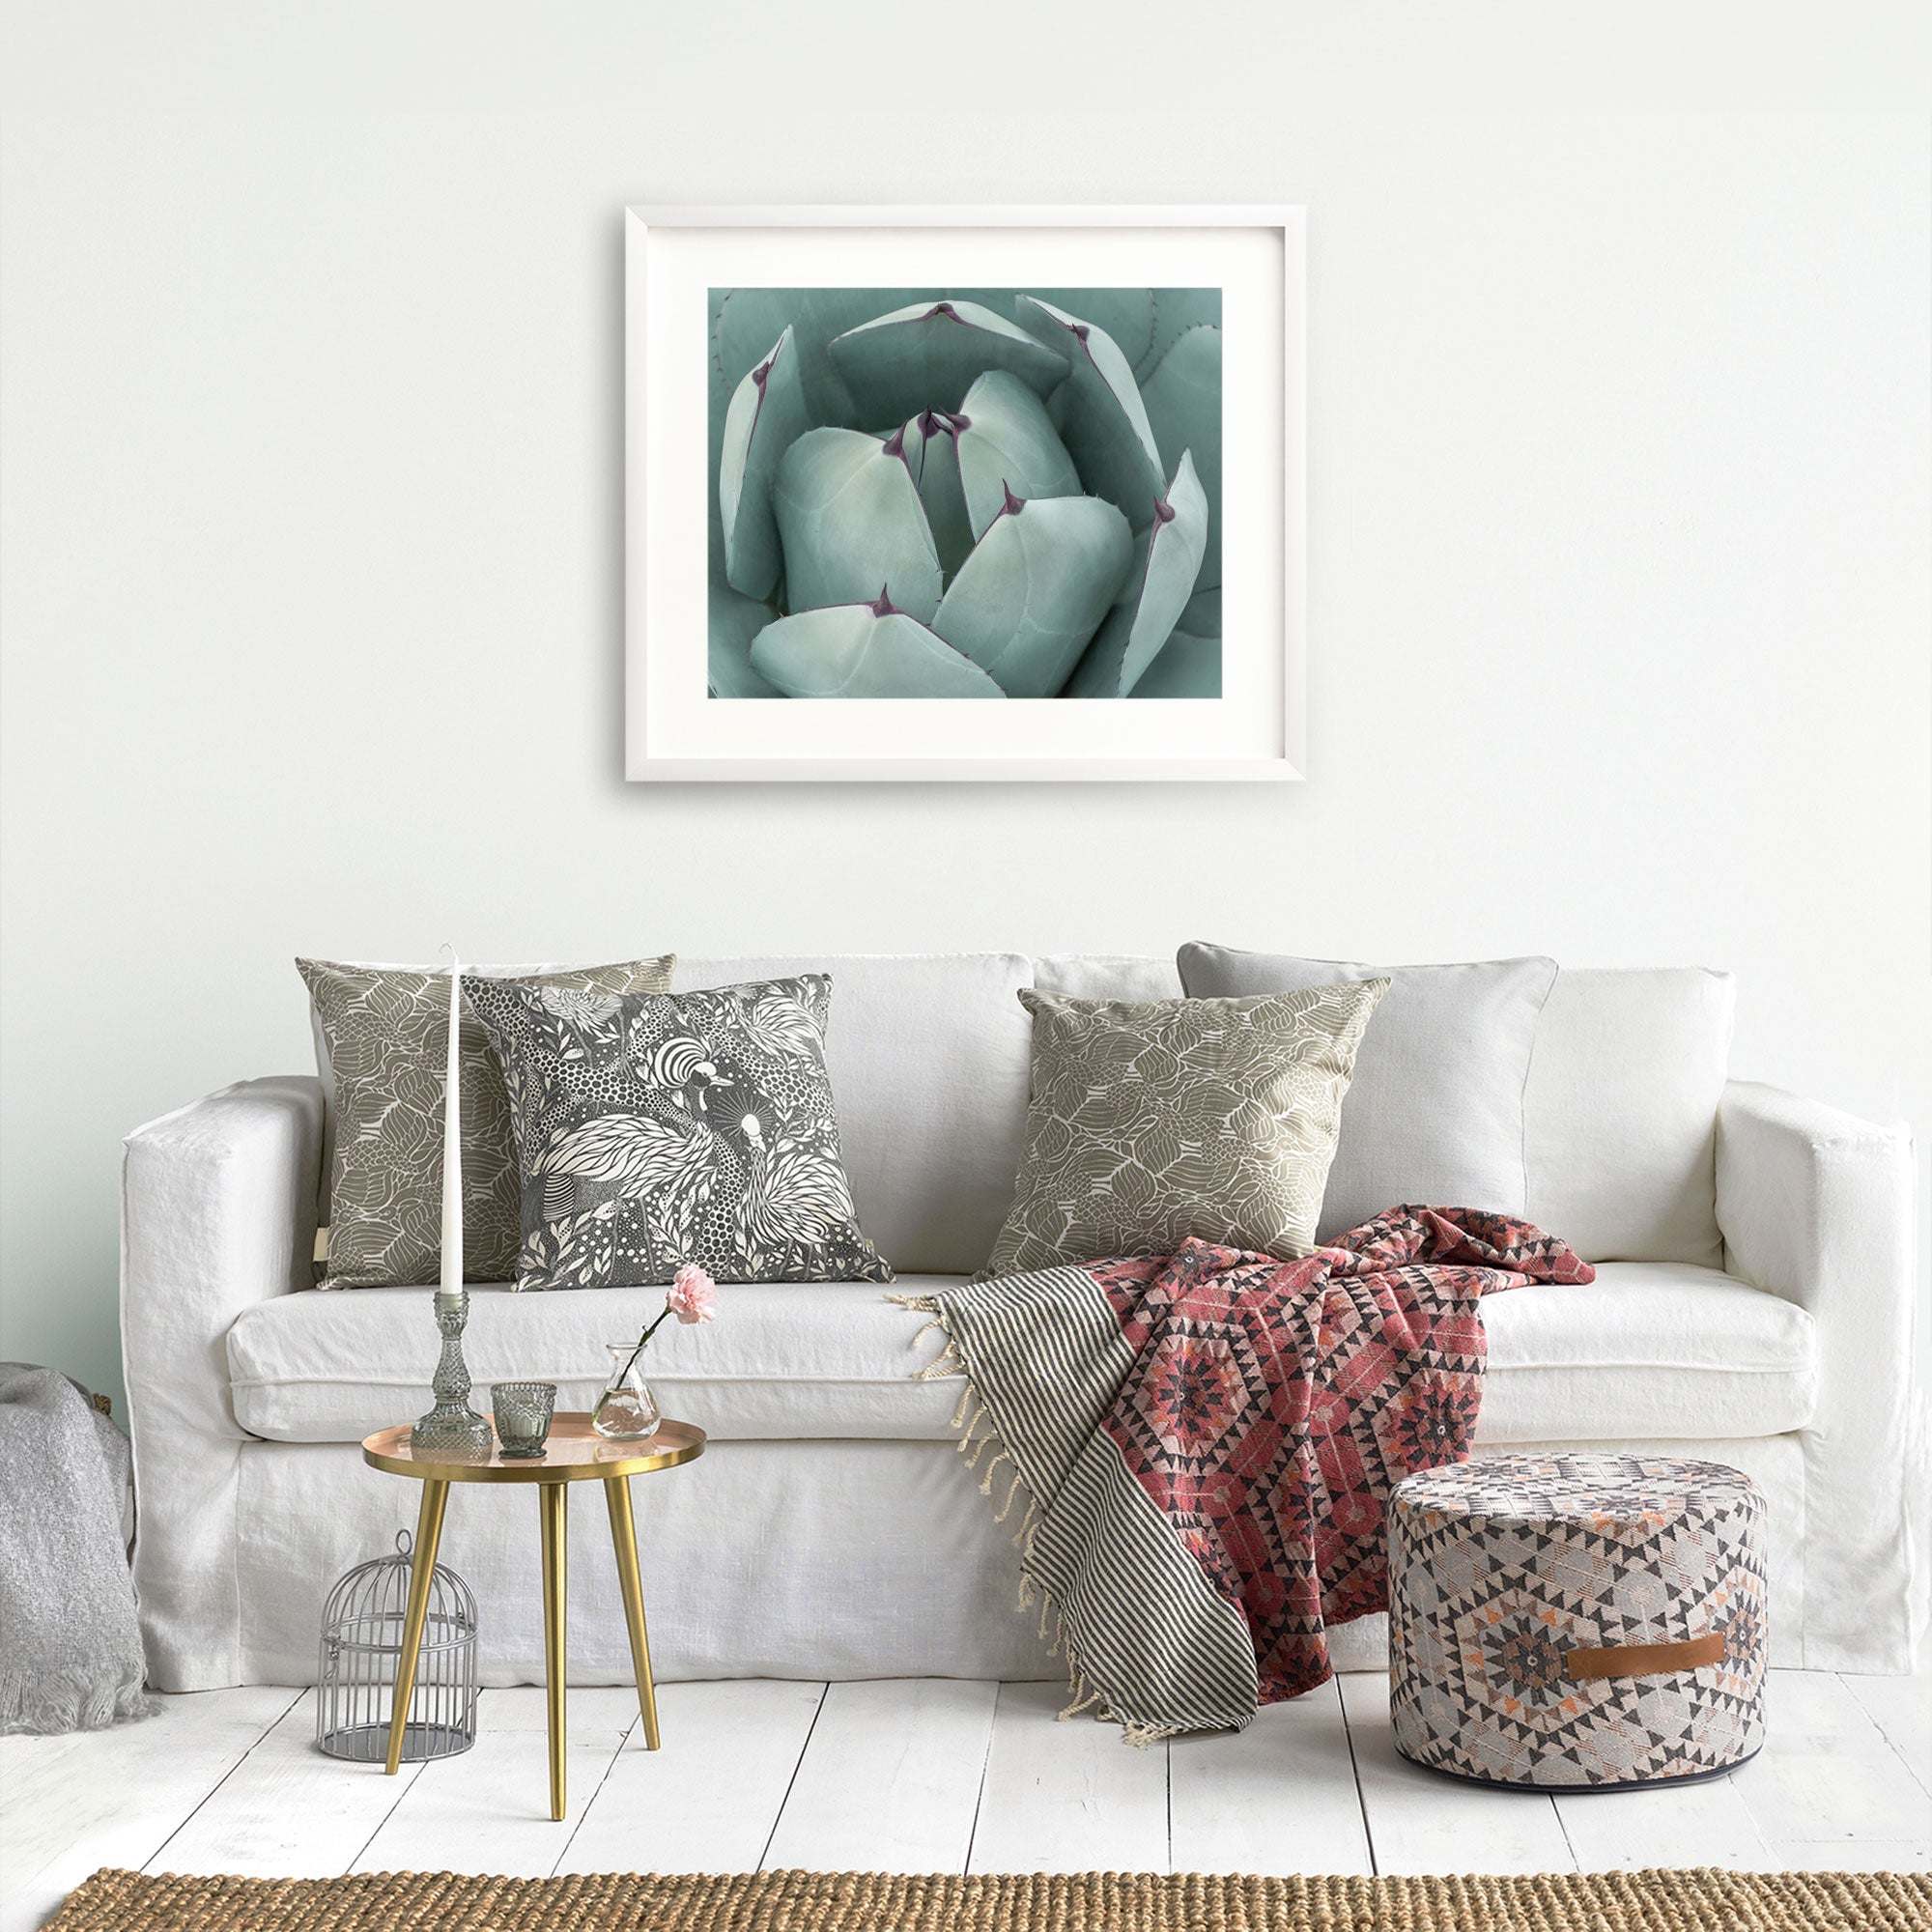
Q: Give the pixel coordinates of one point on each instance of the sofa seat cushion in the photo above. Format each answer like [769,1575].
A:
[781,1359]
[1649,1350]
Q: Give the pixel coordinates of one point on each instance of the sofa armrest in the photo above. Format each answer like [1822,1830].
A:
[217,1212]
[1818,1205]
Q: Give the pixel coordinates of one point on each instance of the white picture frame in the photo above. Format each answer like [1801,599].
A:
[673,733]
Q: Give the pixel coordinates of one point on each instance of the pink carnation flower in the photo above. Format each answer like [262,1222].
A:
[692,1296]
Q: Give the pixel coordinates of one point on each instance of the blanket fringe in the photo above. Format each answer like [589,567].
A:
[947,1363]
[942,1366]
[1023,1536]
[978,1432]
[1005,1509]
[1083,1696]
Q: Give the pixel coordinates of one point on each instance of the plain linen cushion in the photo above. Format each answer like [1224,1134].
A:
[927,1054]
[1106,975]
[1434,1113]
[1649,1351]
[1621,1112]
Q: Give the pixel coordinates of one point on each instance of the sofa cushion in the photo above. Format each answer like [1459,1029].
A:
[1106,975]
[1647,1351]
[1152,1122]
[1650,1351]
[928,1055]
[1433,1114]
[655,1129]
[1621,1110]
[781,1359]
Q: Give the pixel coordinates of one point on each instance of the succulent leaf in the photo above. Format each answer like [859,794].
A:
[1009,442]
[926,355]
[931,447]
[1187,667]
[1183,402]
[850,519]
[1136,628]
[734,621]
[765,419]
[1202,616]
[1128,315]
[1174,312]
[747,321]
[855,650]
[1102,419]
[1142,322]
[1035,590]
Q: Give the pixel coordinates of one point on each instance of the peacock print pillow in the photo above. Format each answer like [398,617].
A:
[653,1129]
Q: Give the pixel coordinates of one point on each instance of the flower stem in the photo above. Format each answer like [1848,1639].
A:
[650,1330]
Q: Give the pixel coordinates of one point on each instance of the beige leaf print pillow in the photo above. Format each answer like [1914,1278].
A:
[1152,1122]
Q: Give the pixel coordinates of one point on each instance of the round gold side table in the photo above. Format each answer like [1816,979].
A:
[575,1452]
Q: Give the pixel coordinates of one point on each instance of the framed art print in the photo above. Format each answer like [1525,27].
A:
[964,493]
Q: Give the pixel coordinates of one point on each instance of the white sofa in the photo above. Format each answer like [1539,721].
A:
[1753,1305]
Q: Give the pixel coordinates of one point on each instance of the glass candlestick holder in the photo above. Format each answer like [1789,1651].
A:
[452,1429]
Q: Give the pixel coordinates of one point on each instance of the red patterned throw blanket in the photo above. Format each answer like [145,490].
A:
[1205,1443]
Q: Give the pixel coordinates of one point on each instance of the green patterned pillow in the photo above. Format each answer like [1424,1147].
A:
[1149,1122]
[386,1034]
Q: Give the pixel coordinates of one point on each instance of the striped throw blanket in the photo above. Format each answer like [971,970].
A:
[1204,1442]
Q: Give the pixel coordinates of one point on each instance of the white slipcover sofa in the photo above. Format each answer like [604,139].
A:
[1753,1305]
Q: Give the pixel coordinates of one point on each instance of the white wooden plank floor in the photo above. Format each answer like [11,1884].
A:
[927,1774]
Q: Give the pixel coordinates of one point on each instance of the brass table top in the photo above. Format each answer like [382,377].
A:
[575,1452]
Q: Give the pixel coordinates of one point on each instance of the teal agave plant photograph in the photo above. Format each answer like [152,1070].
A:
[965,492]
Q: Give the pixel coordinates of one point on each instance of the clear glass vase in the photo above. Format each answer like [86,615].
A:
[627,1409]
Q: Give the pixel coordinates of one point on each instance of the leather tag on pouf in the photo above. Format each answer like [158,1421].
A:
[1643,1660]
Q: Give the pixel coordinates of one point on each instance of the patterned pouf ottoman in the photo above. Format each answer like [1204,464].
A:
[1588,1621]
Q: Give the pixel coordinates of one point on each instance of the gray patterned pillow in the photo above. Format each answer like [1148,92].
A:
[1149,1122]
[386,1032]
[692,1126]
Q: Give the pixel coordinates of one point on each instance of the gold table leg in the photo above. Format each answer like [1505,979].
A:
[624,1538]
[422,1571]
[553,1503]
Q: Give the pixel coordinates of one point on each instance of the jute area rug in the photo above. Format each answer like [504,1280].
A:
[787,1901]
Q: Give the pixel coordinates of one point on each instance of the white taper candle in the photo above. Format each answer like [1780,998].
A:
[452,1143]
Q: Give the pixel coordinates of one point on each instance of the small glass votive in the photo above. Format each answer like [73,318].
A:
[522,1411]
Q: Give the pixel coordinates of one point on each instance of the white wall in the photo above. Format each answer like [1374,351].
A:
[1619,490]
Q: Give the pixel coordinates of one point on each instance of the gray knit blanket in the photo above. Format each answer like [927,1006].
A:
[70,1644]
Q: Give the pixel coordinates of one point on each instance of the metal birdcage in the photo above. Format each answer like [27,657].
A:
[361,1644]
